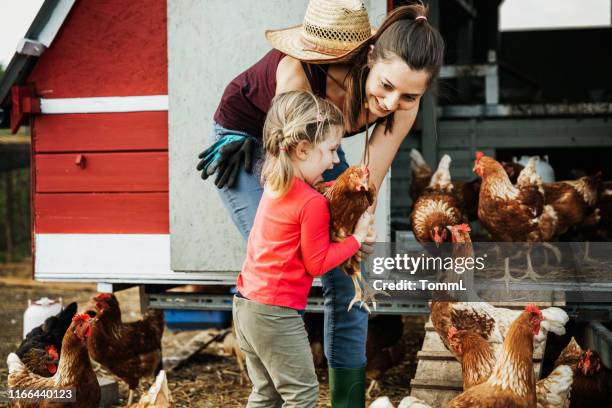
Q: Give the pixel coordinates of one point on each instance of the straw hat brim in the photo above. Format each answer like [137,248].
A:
[289,41]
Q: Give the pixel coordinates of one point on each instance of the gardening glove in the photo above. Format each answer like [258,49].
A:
[225,156]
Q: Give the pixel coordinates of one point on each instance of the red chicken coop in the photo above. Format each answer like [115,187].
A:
[110,161]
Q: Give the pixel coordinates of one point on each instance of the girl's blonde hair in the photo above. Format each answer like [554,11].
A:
[294,116]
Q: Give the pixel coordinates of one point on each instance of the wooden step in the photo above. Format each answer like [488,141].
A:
[447,355]
[431,384]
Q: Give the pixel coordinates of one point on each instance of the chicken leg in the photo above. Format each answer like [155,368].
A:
[373,386]
[358,293]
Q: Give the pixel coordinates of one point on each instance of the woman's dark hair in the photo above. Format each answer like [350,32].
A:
[416,42]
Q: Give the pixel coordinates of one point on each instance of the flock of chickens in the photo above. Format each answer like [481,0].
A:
[511,202]
[495,348]
[59,354]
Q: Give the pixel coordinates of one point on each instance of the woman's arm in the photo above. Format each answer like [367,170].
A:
[290,76]
[384,147]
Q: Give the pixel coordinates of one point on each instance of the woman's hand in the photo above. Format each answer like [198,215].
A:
[364,227]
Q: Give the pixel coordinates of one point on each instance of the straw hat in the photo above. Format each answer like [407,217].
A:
[332,30]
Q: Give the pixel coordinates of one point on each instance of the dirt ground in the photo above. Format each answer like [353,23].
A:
[208,379]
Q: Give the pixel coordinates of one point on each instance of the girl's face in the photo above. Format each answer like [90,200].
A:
[312,161]
[391,86]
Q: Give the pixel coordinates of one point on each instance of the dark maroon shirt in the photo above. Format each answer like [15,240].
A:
[246,100]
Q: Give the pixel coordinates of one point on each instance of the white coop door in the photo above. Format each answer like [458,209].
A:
[209,43]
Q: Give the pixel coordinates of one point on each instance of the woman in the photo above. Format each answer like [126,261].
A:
[374,79]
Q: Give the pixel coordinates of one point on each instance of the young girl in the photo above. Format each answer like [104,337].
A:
[288,245]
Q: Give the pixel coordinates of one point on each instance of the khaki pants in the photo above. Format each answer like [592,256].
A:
[278,356]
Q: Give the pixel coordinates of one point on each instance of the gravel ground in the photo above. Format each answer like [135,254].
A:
[208,379]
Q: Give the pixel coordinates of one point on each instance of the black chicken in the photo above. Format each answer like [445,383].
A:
[41,348]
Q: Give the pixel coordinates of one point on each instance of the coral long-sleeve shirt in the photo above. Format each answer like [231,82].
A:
[289,244]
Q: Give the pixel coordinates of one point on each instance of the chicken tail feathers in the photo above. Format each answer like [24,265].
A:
[416,160]
[554,390]
[66,315]
[14,363]
[529,175]
[554,320]
[441,179]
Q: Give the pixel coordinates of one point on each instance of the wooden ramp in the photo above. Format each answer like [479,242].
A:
[438,376]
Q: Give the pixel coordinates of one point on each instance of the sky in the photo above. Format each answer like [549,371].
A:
[17,15]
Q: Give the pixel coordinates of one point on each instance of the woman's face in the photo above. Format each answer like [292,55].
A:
[391,86]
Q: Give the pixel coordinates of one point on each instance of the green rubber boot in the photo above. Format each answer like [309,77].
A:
[347,387]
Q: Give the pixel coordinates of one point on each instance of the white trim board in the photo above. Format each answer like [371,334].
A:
[55,22]
[116,258]
[106,104]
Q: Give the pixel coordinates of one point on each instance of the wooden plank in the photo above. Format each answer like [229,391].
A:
[105,213]
[437,384]
[435,355]
[131,58]
[444,371]
[101,132]
[434,344]
[102,172]
[104,104]
[449,370]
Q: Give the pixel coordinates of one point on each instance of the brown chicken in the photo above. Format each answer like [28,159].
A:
[554,390]
[492,323]
[384,348]
[466,192]
[475,355]
[512,382]
[437,208]
[478,360]
[598,226]
[421,174]
[74,371]
[349,197]
[573,200]
[513,169]
[592,386]
[570,355]
[514,213]
[128,350]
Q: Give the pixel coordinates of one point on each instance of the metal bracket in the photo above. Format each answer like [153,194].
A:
[31,48]
[202,301]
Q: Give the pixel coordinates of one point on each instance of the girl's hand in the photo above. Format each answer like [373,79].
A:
[362,229]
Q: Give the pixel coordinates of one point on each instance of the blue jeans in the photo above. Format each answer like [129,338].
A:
[344,332]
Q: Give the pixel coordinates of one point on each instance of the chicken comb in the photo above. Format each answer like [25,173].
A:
[52,351]
[103,296]
[479,155]
[452,332]
[79,317]
[533,308]
[463,227]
